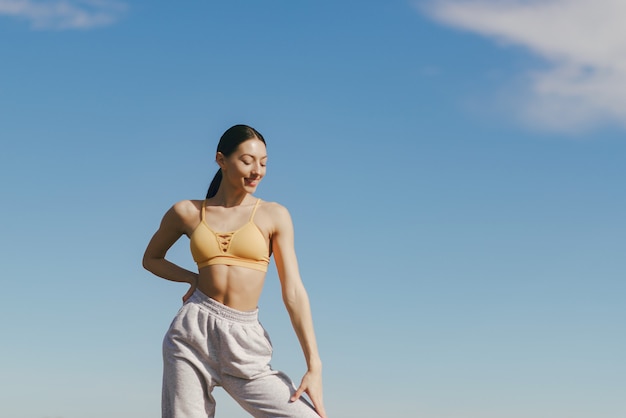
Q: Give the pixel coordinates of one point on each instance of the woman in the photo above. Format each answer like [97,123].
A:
[216,338]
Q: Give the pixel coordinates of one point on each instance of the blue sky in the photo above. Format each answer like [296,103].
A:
[454,170]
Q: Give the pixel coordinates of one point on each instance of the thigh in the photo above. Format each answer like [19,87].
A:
[186,391]
[188,366]
[245,350]
[268,396]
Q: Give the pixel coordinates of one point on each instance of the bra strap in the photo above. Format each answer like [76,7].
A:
[254,210]
[202,211]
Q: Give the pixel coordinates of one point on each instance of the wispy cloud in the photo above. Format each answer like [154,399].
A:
[584,43]
[64,14]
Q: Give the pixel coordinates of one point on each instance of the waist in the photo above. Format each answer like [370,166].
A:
[222,311]
[236,287]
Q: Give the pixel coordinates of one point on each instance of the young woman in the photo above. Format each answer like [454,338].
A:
[216,338]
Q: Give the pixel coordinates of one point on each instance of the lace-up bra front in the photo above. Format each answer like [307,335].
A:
[245,247]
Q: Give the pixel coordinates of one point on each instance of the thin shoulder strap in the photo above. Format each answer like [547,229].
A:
[202,210]
[254,210]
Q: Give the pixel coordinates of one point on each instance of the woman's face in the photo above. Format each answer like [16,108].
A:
[245,167]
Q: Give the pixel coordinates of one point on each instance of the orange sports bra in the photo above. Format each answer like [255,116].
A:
[245,247]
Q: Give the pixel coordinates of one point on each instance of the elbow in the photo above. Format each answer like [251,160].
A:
[144,263]
[147,263]
[289,299]
[294,297]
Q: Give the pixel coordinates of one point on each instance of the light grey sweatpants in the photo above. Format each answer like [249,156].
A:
[209,344]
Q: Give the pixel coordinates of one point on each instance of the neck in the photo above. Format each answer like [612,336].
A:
[229,198]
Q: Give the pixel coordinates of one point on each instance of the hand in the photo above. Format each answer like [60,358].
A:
[192,289]
[312,385]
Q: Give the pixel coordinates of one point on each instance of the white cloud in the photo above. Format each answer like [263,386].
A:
[583,41]
[64,14]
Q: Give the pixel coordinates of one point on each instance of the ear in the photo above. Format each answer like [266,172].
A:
[220,159]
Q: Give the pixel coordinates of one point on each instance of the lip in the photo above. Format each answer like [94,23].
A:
[252,182]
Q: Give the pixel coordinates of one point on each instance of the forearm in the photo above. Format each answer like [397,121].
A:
[298,306]
[169,271]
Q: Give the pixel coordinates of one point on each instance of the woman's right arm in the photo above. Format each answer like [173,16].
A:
[175,223]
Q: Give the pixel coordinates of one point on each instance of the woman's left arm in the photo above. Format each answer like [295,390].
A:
[297,302]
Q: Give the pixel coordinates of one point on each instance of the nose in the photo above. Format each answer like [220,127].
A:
[256,168]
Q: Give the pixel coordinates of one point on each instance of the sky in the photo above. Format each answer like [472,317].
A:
[454,170]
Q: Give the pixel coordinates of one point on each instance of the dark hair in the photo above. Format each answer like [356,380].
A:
[229,142]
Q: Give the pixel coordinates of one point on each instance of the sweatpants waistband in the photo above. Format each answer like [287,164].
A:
[222,311]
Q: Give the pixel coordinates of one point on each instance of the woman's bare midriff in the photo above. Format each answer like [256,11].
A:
[236,287]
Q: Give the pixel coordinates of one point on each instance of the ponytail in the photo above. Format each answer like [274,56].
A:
[215,184]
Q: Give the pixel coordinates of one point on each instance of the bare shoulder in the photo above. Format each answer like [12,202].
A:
[277,215]
[186,209]
[274,210]
[183,215]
